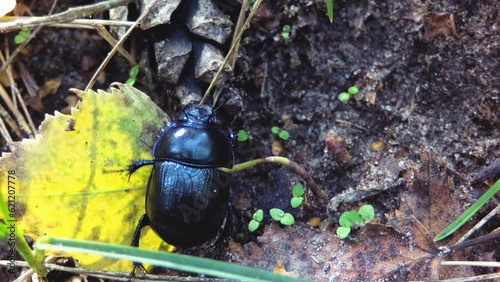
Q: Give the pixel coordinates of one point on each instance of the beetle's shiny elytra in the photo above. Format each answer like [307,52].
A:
[187,197]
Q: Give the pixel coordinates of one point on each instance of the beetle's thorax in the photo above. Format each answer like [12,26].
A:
[197,139]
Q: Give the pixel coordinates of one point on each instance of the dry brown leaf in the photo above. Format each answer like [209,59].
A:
[382,253]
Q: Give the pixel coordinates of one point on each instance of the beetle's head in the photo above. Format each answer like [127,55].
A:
[199,114]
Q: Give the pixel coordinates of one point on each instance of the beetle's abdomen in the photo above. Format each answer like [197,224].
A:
[190,206]
[203,146]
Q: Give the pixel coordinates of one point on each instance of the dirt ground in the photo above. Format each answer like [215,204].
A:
[428,74]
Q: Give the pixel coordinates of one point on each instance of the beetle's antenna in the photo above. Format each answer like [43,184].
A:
[236,42]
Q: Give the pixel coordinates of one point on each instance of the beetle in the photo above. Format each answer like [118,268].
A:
[187,199]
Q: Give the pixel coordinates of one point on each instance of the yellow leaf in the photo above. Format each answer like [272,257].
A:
[67,182]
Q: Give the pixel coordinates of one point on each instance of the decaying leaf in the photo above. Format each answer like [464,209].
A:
[400,250]
[67,184]
[439,24]
[430,198]
[382,253]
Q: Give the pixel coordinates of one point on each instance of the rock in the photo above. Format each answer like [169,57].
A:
[188,91]
[207,60]
[159,14]
[203,18]
[172,52]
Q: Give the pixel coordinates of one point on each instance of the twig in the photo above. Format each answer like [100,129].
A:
[119,43]
[15,90]
[10,104]
[19,118]
[479,224]
[3,129]
[231,50]
[77,23]
[113,42]
[66,16]
[483,277]
[472,242]
[472,263]
[237,29]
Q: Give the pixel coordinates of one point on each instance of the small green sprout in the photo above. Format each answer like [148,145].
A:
[285,32]
[344,97]
[329,9]
[276,213]
[256,220]
[343,232]
[22,36]
[298,193]
[133,72]
[281,216]
[283,134]
[258,215]
[242,135]
[353,90]
[287,219]
[296,201]
[367,212]
[350,218]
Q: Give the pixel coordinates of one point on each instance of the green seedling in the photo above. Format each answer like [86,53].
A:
[133,72]
[285,32]
[281,216]
[283,134]
[343,232]
[358,218]
[367,213]
[298,193]
[278,214]
[256,220]
[242,135]
[344,97]
[353,90]
[22,36]
[329,9]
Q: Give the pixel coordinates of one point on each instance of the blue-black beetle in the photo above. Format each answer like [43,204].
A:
[187,200]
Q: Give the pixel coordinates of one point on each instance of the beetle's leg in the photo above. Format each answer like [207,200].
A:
[135,165]
[143,221]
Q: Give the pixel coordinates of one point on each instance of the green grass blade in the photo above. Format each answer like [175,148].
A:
[164,259]
[329,9]
[469,212]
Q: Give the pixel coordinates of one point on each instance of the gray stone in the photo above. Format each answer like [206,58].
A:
[207,60]
[172,53]
[203,18]
[159,14]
